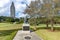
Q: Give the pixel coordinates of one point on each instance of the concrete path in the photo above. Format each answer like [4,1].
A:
[21,36]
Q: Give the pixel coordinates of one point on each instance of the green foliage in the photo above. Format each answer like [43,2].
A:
[49,10]
[43,20]
[10,19]
[37,21]
[21,20]
[57,19]
[17,20]
[32,21]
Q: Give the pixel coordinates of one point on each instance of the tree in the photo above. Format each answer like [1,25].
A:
[9,19]
[17,20]
[34,9]
[48,9]
[21,20]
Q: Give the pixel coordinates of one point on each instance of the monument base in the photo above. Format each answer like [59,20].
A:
[26,27]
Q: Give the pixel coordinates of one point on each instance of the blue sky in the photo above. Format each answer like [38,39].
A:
[19,6]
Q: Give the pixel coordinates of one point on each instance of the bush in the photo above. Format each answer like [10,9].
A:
[10,19]
[17,20]
[21,20]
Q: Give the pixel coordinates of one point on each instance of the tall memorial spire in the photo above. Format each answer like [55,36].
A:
[12,10]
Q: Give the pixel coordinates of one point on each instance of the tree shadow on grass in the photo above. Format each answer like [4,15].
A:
[48,28]
[6,32]
[57,28]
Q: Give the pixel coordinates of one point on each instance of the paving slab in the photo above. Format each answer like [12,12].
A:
[21,36]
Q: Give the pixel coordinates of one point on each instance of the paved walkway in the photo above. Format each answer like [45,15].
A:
[21,36]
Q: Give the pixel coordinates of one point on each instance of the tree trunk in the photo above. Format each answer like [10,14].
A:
[52,28]
[47,24]
[35,28]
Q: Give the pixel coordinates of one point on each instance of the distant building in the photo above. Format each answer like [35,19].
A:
[12,10]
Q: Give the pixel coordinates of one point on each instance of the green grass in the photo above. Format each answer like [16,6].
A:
[8,26]
[48,34]
[7,35]
[8,31]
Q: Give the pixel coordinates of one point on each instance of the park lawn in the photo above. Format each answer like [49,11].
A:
[48,34]
[8,31]
[7,35]
[8,26]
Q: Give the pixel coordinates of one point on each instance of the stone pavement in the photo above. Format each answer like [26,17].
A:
[21,36]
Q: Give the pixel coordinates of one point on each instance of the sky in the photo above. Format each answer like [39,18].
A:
[20,5]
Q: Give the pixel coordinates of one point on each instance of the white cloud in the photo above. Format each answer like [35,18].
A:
[19,6]
[3,2]
[41,1]
[4,6]
[32,0]
[18,0]
[3,10]
[21,15]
